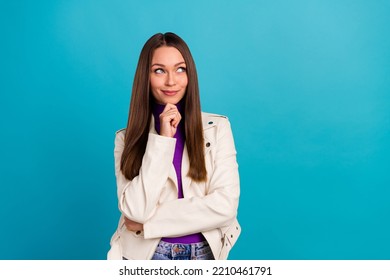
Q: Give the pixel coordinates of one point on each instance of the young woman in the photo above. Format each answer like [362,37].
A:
[176,169]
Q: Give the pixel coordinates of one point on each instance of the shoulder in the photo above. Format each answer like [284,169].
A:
[121,131]
[213,115]
[120,135]
[211,119]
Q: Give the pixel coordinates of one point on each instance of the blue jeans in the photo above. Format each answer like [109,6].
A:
[172,251]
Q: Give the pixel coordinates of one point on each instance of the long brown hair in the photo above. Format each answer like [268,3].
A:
[140,111]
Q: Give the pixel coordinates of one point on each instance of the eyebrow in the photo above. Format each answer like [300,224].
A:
[162,65]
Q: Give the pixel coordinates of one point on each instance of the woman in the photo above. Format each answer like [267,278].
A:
[176,169]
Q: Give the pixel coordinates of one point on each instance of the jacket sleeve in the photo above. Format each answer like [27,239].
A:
[196,214]
[138,198]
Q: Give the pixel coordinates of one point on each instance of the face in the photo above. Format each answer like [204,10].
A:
[168,76]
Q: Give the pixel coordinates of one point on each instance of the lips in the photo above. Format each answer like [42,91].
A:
[169,92]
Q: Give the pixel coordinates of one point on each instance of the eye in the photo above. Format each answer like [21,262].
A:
[181,69]
[158,71]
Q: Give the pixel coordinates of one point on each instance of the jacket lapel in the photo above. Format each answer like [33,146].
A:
[185,166]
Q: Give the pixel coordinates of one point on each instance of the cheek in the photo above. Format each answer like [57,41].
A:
[184,81]
[154,83]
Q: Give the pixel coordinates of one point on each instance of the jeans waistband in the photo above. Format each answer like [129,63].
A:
[179,249]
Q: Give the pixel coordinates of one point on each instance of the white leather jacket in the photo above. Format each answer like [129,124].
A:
[151,197]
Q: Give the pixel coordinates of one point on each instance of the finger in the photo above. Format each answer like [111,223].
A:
[169,107]
[168,110]
[169,116]
[176,120]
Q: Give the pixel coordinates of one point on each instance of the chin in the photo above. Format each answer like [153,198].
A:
[171,101]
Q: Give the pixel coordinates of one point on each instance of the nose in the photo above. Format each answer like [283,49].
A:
[170,79]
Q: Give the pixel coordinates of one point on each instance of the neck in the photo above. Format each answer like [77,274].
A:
[157,108]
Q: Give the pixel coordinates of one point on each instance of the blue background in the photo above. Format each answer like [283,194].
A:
[305,84]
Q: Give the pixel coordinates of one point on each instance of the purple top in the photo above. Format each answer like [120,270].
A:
[177,160]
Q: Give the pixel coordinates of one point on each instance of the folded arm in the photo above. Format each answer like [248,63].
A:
[138,198]
[217,209]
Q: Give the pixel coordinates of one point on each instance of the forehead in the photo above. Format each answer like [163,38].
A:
[167,56]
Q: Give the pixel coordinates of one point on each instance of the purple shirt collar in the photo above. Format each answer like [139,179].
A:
[157,109]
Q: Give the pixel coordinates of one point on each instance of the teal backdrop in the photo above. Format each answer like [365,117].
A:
[305,84]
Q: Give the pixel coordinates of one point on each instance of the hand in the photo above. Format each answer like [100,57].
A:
[169,120]
[133,226]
